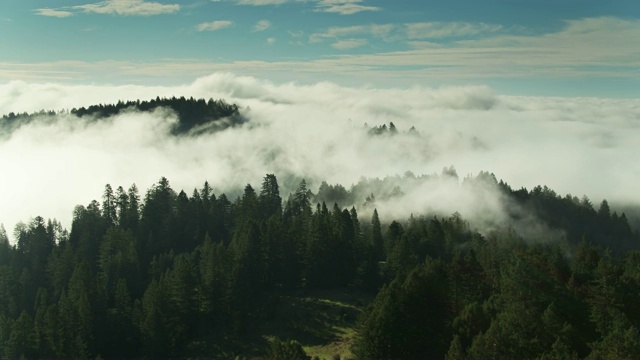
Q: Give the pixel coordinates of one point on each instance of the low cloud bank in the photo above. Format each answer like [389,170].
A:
[574,145]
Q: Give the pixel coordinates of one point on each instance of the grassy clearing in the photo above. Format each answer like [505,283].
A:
[340,346]
[323,321]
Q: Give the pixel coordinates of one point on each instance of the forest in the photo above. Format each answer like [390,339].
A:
[193,114]
[275,275]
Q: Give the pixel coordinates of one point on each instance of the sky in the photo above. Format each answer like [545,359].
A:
[523,47]
[536,92]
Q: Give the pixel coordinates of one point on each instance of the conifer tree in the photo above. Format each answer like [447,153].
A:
[376,236]
[270,200]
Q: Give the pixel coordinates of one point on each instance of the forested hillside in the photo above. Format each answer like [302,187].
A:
[166,274]
[193,114]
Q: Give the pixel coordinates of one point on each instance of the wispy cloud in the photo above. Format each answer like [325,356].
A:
[436,30]
[343,7]
[588,49]
[53,13]
[262,25]
[296,37]
[129,8]
[214,25]
[113,7]
[271,40]
[383,31]
[349,44]
[424,45]
[260,2]
[409,32]
[90,28]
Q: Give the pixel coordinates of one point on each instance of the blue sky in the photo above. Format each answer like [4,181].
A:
[523,47]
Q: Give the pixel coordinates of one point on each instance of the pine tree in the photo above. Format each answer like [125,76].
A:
[376,236]
[270,200]
[132,216]
[22,341]
[5,247]
[109,206]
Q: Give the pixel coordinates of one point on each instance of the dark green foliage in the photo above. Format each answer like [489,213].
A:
[246,274]
[384,130]
[270,200]
[577,218]
[409,317]
[456,351]
[22,341]
[176,276]
[5,247]
[376,236]
[285,350]
[333,194]
[194,115]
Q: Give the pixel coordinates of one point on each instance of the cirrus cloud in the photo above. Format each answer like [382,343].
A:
[113,7]
[53,13]
[260,2]
[129,8]
[214,25]
[595,51]
[425,30]
[349,44]
[262,25]
[343,7]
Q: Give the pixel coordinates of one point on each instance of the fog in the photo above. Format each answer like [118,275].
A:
[573,145]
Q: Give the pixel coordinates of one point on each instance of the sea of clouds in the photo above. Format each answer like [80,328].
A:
[573,145]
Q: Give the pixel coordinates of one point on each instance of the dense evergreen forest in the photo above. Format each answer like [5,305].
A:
[194,115]
[172,275]
[273,275]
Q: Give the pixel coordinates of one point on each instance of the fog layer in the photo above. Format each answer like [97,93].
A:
[573,145]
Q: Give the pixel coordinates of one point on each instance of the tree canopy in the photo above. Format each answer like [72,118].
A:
[172,275]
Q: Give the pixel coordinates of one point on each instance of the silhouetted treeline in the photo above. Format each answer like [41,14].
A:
[193,114]
[169,275]
[387,130]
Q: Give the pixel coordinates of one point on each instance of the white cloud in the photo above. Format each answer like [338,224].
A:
[576,145]
[262,25]
[260,2]
[128,8]
[271,40]
[604,48]
[412,32]
[343,7]
[296,37]
[349,44]
[113,7]
[424,45]
[296,34]
[214,25]
[53,13]
[436,30]
[383,31]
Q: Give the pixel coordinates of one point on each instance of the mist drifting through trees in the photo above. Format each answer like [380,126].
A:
[577,146]
[190,250]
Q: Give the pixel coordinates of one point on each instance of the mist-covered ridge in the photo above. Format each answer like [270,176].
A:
[317,132]
[193,115]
